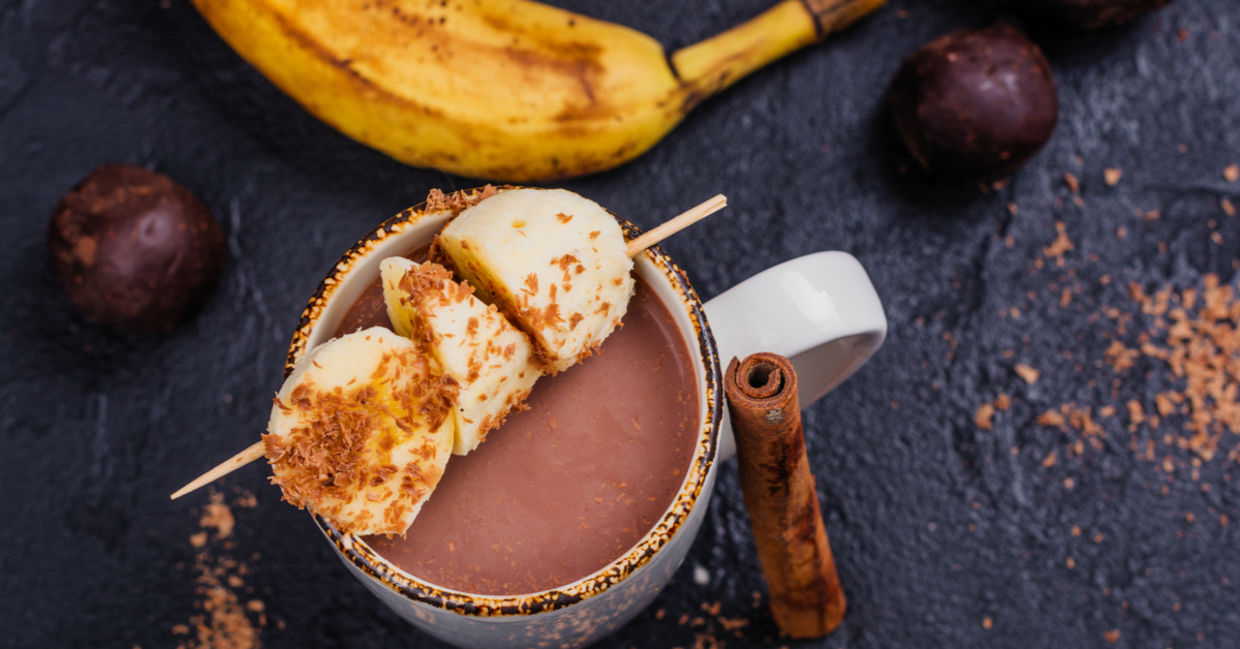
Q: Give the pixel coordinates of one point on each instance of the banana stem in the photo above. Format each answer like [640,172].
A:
[718,62]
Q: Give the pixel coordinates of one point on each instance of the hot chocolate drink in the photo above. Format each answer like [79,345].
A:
[568,485]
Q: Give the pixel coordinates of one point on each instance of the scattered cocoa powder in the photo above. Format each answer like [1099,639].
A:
[715,624]
[1185,339]
[225,617]
[1193,336]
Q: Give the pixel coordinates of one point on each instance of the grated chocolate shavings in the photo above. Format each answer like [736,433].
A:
[437,201]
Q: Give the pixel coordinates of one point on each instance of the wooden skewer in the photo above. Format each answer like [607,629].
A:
[676,224]
[233,463]
[632,248]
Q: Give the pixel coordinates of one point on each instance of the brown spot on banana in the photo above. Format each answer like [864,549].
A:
[582,66]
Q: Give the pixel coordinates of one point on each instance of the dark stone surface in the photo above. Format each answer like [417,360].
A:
[936,524]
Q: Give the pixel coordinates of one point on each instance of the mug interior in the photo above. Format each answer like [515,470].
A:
[414,229]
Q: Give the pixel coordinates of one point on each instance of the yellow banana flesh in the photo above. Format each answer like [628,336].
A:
[510,90]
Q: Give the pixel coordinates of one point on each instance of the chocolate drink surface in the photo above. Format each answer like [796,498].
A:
[571,483]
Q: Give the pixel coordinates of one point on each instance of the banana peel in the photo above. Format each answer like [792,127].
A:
[510,90]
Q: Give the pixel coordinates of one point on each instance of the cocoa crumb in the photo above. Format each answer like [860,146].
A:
[1231,173]
[1061,245]
[1112,175]
[1121,357]
[1111,636]
[1029,374]
[1074,185]
[1050,419]
[984,417]
[217,516]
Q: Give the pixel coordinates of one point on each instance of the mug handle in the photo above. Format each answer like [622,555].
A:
[820,311]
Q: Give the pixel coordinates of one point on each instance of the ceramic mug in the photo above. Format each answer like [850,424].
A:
[819,310]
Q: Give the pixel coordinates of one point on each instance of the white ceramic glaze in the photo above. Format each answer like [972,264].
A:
[819,310]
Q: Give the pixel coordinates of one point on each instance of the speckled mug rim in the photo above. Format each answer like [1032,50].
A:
[371,563]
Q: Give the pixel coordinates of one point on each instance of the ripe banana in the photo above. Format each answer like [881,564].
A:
[511,90]
[475,343]
[361,431]
[552,260]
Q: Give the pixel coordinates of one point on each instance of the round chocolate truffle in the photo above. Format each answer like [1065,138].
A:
[975,104]
[135,250]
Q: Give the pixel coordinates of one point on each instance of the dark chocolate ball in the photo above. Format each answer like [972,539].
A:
[975,104]
[134,249]
[1087,14]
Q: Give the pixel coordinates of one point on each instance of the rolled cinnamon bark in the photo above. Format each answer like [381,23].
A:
[806,598]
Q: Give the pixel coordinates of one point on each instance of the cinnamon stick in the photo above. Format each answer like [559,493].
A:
[806,598]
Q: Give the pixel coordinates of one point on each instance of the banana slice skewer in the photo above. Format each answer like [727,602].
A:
[552,260]
[363,428]
[361,431]
[488,357]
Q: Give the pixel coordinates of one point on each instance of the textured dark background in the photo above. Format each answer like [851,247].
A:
[937,525]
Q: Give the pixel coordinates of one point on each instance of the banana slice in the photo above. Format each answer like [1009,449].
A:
[552,260]
[474,342]
[361,431]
